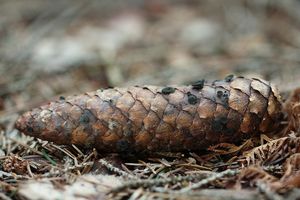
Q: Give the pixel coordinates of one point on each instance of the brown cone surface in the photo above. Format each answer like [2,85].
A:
[151,118]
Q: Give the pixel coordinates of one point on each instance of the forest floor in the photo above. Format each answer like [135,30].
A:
[48,50]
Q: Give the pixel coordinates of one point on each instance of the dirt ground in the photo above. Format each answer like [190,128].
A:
[57,48]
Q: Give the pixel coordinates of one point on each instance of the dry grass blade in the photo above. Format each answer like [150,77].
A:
[209,179]
[155,182]
[115,169]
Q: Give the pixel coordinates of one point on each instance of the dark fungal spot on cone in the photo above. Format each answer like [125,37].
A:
[128,133]
[62,98]
[113,125]
[89,143]
[122,146]
[214,82]
[222,119]
[186,132]
[85,117]
[110,101]
[223,96]
[219,124]
[192,99]
[229,131]
[168,90]
[29,129]
[198,85]
[229,78]
[219,93]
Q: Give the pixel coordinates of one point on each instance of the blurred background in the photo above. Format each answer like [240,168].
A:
[53,48]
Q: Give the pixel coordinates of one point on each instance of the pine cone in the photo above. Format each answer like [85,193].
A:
[151,118]
[15,164]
